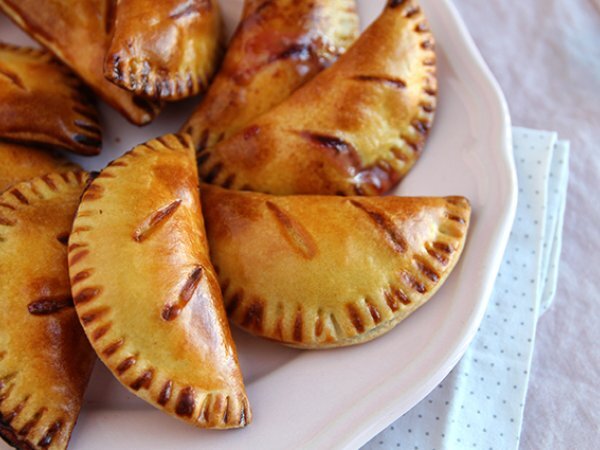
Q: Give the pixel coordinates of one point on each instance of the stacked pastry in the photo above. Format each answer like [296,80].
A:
[301,129]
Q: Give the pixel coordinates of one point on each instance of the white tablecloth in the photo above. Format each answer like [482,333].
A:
[546,56]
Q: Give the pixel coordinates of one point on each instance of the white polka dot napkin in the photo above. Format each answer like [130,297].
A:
[480,404]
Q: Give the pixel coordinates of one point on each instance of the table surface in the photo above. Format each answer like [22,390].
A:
[546,56]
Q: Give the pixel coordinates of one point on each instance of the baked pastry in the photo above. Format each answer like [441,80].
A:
[20,163]
[145,290]
[45,358]
[278,46]
[165,50]
[356,128]
[327,271]
[77,33]
[43,103]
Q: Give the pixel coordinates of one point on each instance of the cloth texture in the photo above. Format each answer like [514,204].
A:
[480,404]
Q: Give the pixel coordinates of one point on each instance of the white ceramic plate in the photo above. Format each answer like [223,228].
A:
[342,398]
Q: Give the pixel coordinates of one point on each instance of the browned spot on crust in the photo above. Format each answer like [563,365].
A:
[171,311]
[420,126]
[412,11]
[213,173]
[234,302]
[442,246]
[86,295]
[389,81]
[203,158]
[455,218]
[7,206]
[7,222]
[228,181]
[126,364]
[25,429]
[63,238]
[118,164]
[394,237]
[80,276]
[186,402]
[112,348]
[15,412]
[93,192]
[49,182]
[394,297]
[421,27]
[414,283]
[337,148]
[148,226]
[49,305]
[319,326]
[294,232]
[427,108]
[375,314]
[298,328]
[91,316]
[430,91]
[143,381]
[253,318]
[165,393]
[46,440]
[443,259]
[19,196]
[226,413]
[396,3]
[427,270]
[75,246]
[355,318]
[78,257]
[100,332]
[12,77]
[203,142]
[426,44]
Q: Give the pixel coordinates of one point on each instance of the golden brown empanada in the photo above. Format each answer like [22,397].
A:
[45,358]
[43,103]
[326,271]
[145,290]
[20,163]
[356,128]
[279,45]
[77,33]
[166,50]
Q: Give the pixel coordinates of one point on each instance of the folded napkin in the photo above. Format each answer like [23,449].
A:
[480,403]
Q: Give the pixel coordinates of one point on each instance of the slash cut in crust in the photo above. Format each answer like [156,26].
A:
[45,358]
[326,271]
[21,163]
[77,32]
[42,103]
[278,46]
[355,129]
[166,50]
[145,289]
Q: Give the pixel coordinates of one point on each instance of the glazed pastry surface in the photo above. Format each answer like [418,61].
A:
[145,290]
[278,46]
[77,33]
[42,103]
[355,129]
[326,271]
[45,358]
[166,50]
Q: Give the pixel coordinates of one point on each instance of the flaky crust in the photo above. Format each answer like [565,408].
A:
[166,50]
[45,358]
[356,128]
[325,271]
[77,33]
[43,103]
[145,290]
[278,46]
[21,163]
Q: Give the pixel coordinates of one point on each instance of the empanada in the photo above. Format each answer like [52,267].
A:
[45,358]
[327,271]
[356,128]
[21,163]
[43,103]
[145,289]
[77,33]
[279,45]
[165,50]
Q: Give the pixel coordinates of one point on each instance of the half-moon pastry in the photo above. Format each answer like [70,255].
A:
[77,33]
[328,271]
[165,50]
[145,289]
[356,128]
[45,358]
[43,103]
[21,163]
[278,46]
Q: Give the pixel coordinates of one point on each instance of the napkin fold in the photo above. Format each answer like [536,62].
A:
[480,403]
